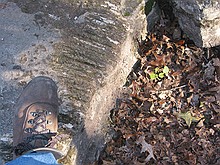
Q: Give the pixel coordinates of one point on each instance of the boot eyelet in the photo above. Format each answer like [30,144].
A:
[49,122]
[31,121]
[34,114]
[28,130]
[48,113]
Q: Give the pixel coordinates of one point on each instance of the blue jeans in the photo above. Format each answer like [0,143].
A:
[40,158]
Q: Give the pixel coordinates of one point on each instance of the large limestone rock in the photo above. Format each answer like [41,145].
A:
[200,20]
[87,47]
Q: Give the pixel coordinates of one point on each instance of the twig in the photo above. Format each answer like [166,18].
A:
[165,90]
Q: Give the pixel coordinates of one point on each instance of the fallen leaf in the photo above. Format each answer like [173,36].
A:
[107,162]
[180,42]
[216,61]
[146,147]
[188,118]
[165,38]
[162,96]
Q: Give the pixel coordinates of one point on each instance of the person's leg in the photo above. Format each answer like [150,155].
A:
[36,123]
[41,158]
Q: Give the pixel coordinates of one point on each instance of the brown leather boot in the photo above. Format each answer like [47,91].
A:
[35,123]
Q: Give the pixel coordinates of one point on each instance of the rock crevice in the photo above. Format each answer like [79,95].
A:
[200,20]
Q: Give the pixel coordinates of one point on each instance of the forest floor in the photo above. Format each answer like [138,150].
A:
[171,112]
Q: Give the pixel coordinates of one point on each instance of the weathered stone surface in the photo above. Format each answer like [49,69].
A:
[200,20]
[152,12]
[87,47]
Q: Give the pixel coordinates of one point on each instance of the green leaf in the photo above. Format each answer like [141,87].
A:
[166,70]
[153,76]
[188,118]
[161,75]
[156,70]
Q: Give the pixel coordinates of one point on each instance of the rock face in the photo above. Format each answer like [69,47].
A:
[87,47]
[200,20]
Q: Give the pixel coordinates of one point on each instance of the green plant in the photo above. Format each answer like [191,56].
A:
[159,73]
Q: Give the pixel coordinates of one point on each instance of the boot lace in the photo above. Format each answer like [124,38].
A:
[40,135]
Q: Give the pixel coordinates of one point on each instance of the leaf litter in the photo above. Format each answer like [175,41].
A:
[146,147]
[170,112]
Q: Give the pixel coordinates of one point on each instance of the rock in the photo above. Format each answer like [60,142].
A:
[87,47]
[200,20]
[153,13]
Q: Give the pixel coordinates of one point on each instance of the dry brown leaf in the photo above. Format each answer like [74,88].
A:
[216,62]
[181,42]
[165,38]
[191,84]
[108,162]
[146,147]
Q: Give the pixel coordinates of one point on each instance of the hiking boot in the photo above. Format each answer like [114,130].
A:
[35,123]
